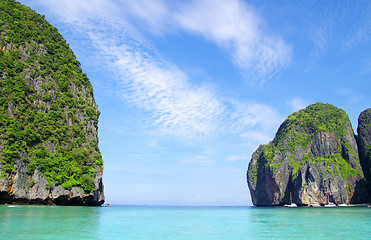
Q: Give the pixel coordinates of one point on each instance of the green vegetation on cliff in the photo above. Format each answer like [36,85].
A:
[48,116]
[299,129]
[313,155]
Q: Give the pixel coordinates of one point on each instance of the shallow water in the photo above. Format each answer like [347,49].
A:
[183,223]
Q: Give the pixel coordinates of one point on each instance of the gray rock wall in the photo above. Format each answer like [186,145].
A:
[315,163]
[23,188]
[48,116]
[364,145]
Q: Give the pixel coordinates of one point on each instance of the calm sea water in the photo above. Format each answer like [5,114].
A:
[183,223]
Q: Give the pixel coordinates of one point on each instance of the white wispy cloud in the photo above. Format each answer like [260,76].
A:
[74,11]
[200,159]
[154,15]
[256,137]
[254,122]
[297,103]
[340,26]
[235,158]
[350,96]
[231,24]
[161,89]
[149,81]
[234,26]
[252,114]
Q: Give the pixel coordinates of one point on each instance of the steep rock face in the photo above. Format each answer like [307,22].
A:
[364,145]
[48,116]
[313,157]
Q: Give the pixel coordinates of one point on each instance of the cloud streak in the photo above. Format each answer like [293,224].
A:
[297,103]
[322,19]
[230,24]
[234,26]
[155,85]
[158,87]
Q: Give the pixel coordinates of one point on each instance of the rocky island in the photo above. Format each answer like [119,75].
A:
[48,116]
[315,158]
[364,146]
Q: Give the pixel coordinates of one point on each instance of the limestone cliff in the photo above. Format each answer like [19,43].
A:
[364,145]
[313,157]
[48,116]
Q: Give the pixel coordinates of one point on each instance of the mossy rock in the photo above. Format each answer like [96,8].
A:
[313,155]
[48,115]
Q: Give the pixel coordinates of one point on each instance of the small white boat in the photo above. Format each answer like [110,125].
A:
[291,205]
[315,205]
[330,204]
[343,205]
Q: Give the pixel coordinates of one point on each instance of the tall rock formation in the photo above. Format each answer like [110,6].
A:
[313,157]
[364,145]
[48,116]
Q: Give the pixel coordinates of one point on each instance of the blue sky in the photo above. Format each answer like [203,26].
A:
[188,90]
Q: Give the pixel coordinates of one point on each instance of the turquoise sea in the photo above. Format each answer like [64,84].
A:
[183,223]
